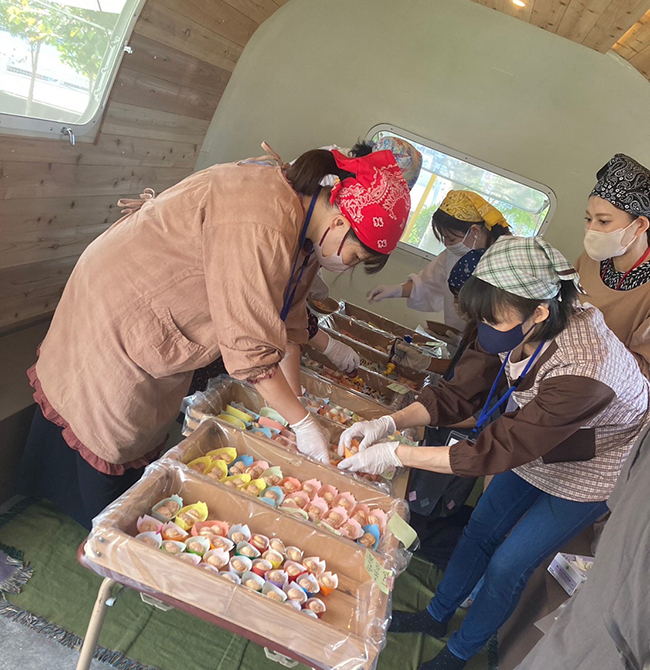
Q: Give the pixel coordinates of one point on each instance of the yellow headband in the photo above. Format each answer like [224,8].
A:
[472,208]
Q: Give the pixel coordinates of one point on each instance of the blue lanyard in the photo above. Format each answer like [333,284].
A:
[487,413]
[290,292]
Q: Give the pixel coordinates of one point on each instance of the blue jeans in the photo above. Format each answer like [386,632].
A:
[539,525]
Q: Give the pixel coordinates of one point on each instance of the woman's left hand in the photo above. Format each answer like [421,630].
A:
[373,460]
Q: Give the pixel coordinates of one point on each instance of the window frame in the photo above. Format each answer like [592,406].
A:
[502,172]
[25,126]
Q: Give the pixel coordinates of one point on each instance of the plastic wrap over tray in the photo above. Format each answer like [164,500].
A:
[211,435]
[223,391]
[350,634]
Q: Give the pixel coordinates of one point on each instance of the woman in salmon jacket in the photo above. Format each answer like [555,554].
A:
[219,264]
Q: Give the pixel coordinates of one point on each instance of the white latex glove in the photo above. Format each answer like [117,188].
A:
[373,460]
[380,293]
[311,440]
[371,432]
[344,357]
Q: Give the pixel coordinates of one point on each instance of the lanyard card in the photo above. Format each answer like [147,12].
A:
[454,436]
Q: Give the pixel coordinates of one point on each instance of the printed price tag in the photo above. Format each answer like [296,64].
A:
[398,388]
[389,475]
[401,530]
[382,577]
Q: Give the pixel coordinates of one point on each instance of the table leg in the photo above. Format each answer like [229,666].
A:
[95,624]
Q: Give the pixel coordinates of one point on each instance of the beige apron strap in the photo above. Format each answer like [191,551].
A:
[130,205]
[270,156]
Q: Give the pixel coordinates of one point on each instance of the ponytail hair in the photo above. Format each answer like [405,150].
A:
[307,171]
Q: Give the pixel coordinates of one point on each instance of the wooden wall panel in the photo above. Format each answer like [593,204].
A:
[597,24]
[56,198]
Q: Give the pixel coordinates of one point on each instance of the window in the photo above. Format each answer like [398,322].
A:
[58,59]
[526,205]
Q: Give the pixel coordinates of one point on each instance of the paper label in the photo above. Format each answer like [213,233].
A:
[401,530]
[382,577]
[398,388]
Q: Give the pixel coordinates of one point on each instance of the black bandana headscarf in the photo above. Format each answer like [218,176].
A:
[626,184]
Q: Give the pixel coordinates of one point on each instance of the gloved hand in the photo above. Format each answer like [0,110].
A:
[344,357]
[311,440]
[371,432]
[380,293]
[373,460]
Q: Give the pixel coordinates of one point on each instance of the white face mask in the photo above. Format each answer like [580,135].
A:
[333,262]
[601,246]
[460,248]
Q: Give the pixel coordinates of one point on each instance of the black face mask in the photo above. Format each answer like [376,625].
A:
[495,341]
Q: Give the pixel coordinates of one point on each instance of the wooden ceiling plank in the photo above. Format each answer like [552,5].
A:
[35,180]
[257,10]
[133,121]
[215,15]
[636,39]
[615,21]
[159,60]
[641,62]
[109,150]
[548,14]
[45,214]
[144,90]
[167,27]
[580,17]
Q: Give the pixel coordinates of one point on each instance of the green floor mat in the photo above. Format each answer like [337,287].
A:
[60,596]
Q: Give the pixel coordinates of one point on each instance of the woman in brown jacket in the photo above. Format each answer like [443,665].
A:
[219,264]
[578,402]
[615,267]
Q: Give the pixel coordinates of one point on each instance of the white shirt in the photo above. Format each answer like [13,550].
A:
[430,292]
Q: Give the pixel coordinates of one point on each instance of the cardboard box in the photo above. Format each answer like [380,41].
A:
[212,434]
[568,573]
[349,635]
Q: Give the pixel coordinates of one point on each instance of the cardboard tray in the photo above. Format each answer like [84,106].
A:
[376,322]
[392,399]
[207,405]
[357,330]
[211,434]
[350,634]
[370,356]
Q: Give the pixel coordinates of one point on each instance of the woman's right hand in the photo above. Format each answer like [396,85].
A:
[311,439]
[380,293]
[370,432]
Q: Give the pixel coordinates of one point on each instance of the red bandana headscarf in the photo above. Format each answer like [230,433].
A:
[376,201]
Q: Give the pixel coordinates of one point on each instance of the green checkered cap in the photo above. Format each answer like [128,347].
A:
[526,266]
